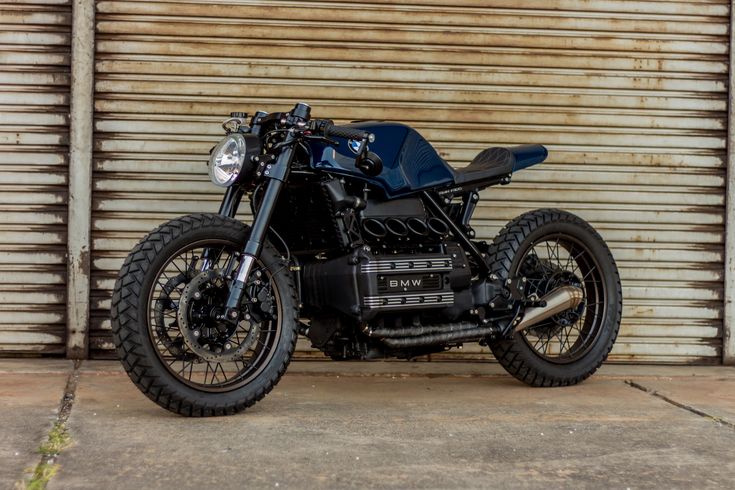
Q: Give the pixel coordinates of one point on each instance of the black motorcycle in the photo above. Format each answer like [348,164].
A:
[362,241]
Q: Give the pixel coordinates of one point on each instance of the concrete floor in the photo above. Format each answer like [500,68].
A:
[29,401]
[388,425]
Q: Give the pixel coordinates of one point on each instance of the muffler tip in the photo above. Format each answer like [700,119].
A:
[557,301]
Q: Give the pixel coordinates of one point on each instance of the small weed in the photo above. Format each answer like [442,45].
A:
[41,476]
[57,440]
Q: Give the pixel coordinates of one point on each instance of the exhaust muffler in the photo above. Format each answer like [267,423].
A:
[557,301]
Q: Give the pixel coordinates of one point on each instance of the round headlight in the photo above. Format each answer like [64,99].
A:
[227,159]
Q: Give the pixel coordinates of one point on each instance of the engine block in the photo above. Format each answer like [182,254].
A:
[364,285]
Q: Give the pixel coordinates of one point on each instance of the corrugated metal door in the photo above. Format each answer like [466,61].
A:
[34,99]
[629,96]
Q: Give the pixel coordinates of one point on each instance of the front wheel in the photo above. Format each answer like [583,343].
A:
[552,249]
[167,320]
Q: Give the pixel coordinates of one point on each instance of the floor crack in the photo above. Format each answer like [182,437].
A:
[56,439]
[683,406]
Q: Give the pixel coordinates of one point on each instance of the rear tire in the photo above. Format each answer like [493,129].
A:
[132,323]
[508,250]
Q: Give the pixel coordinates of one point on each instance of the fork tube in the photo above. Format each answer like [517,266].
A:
[231,201]
[277,175]
[255,242]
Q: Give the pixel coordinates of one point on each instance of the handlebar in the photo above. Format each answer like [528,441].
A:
[299,118]
[326,128]
[344,132]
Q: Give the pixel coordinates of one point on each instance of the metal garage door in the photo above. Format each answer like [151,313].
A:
[629,96]
[34,98]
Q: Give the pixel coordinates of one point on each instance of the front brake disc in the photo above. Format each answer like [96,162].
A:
[165,305]
[225,347]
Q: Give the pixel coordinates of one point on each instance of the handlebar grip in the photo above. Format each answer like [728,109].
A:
[344,132]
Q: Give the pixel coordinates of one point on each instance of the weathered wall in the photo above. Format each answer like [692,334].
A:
[34,132]
[630,97]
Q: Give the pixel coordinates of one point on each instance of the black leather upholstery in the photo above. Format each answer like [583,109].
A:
[489,164]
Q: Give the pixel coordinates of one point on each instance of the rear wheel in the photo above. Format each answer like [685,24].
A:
[167,323]
[553,248]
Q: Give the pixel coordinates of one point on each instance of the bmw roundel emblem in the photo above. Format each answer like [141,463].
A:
[354,145]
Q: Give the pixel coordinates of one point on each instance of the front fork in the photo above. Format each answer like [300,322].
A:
[277,174]
[228,208]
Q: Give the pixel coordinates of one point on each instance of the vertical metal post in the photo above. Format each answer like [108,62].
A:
[728,334]
[80,178]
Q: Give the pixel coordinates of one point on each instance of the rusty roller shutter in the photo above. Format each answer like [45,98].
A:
[629,96]
[34,98]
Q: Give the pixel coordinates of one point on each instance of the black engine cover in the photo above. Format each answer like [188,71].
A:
[363,285]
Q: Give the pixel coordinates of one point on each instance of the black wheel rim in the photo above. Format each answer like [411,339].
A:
[553,261]
[167,338]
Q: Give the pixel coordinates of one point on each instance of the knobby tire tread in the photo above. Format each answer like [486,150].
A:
[127,334]
[501,253]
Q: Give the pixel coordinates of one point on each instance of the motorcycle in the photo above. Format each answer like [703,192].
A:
[362,241]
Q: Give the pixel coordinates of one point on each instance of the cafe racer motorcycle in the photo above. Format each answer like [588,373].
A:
[361,240]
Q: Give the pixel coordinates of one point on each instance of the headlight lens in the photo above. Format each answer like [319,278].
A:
[227,159]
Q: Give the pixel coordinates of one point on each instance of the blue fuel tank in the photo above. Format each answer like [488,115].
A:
[410,163]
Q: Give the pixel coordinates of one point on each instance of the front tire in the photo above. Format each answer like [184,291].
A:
[592,268]
[150,341]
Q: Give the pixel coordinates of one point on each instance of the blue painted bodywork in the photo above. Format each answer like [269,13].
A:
[527,155]
[410,163]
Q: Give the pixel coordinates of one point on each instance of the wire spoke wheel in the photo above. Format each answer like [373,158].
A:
[172,332]
[199,349]
[560,260]
[553,249]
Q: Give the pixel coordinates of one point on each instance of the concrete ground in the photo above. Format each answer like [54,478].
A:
[382,425]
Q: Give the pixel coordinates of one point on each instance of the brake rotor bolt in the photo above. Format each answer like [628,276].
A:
[196,333]
[228,346]
[247,316]
[233,314]
[197,295]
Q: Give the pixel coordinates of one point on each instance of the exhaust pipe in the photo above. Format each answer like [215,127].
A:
[418,331]
[558,300]
[439,334]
